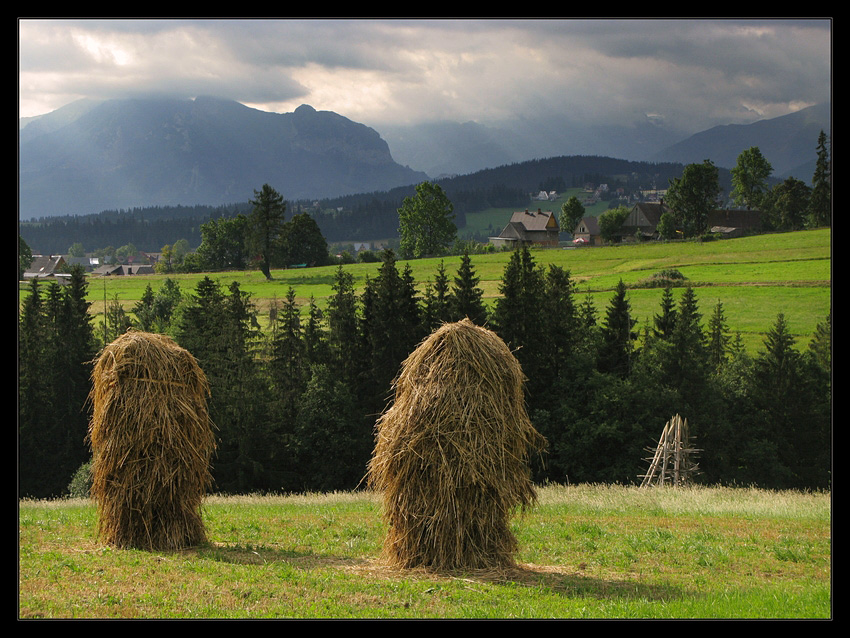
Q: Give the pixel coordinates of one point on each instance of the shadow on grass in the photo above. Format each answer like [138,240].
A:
[558,579]
[562,580]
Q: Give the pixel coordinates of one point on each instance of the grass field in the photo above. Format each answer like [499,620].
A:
[586,552]
[755,278]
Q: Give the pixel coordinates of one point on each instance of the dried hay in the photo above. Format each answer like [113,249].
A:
[451,455]
[151,440]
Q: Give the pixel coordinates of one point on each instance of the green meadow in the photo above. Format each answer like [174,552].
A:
[585,552]
[755,278]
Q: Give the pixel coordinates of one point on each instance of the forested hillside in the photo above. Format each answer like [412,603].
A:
[362,217]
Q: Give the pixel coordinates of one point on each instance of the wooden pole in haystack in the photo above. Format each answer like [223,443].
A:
[451,454]
[152,442]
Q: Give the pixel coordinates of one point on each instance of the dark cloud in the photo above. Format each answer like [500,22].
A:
[686,73]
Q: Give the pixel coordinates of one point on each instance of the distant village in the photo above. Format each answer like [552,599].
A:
[528,227]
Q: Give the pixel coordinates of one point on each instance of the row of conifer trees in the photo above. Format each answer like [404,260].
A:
[295,404]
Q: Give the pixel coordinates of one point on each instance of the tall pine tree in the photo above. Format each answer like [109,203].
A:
[466,300]
[618,336]
[820,201]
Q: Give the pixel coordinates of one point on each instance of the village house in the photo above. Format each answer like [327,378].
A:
[586,233]
[643,221]
[124,269]
[529,228]
[734,222]
[44,266]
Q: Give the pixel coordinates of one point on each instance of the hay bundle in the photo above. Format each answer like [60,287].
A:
[451,456]
[151,441]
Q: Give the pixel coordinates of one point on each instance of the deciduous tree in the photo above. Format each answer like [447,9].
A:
[610,223]
[693,196]
[302,242]
[749,178]
[572,212]
[787,204]
[426,225]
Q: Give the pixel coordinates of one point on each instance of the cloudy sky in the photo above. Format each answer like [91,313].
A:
[688,74]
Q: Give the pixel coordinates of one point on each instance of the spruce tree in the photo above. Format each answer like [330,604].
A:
[820,347]
[77,348]
[57,346]
[587,341]
[287,359]
[34,396]
[329,427]
[518,314]
[344,346]
[820,201]
[217,329]
[615,355]
[466,299]
[315,344]
[116,321]
[144,310]
[561,318]
[666,320]
[718,337]
[392,325]
[437,301]
[684,358]
[790,422]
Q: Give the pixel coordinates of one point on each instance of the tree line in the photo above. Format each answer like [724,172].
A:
[295,403]
[358,217]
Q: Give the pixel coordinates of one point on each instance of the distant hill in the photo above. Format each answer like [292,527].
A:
[95,156]
[788,143]
[360,216]
[447,148]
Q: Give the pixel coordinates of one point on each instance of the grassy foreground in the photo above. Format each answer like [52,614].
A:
[591,552]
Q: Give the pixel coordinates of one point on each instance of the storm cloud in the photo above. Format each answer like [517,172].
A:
[686,75]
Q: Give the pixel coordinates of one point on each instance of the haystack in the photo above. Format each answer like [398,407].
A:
[152,442]
[451,455]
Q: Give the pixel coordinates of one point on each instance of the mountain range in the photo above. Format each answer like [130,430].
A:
[129,153]
[119,154]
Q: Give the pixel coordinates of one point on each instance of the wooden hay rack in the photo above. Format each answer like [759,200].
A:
[672,462]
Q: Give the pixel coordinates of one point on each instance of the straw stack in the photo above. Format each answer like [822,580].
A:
[451,455]
[152,441]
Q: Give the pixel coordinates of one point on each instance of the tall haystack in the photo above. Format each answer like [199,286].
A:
[451,456]
[152,442]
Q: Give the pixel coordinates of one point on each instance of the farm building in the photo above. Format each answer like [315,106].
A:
[644,217]
[125,269]
[529,228]
[44,266]
[643,220]
[734,223]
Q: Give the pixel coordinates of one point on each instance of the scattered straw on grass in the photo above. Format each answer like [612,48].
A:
[451,456]
[152,441]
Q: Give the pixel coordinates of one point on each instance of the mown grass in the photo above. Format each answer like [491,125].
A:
[588,551]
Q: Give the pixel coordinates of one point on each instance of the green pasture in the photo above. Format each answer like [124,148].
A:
[755,278]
